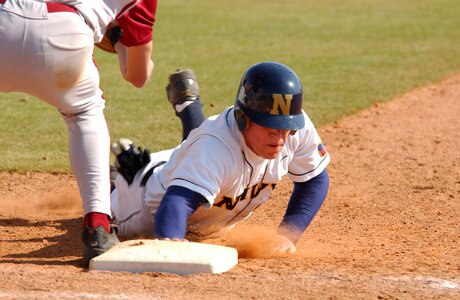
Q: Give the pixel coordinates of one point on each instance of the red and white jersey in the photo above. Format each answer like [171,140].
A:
[136,17]
[215,162]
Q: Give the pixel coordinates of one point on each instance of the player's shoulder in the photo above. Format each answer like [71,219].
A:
[303,136]
[205,152]
[219,126]
[308,129]
[308,122]
[215,133]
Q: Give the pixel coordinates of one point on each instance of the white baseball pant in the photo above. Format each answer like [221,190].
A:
[49,55]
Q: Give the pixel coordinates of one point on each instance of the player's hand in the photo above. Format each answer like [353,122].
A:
[282,244]
[129,158]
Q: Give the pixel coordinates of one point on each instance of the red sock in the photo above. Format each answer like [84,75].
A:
[95,219]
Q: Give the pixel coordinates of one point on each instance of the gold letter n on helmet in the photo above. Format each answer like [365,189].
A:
[281,104]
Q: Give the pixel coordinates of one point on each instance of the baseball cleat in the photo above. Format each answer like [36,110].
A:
[182,89]
[97,241]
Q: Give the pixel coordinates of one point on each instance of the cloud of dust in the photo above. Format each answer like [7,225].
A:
[256,241]
[252,241]
[64,202]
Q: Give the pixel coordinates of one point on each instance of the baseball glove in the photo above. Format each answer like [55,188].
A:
[110,38]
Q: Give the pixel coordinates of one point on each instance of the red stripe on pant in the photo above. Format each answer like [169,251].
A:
[54,7]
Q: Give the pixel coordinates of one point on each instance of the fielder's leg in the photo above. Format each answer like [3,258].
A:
[89,145]
[55,64]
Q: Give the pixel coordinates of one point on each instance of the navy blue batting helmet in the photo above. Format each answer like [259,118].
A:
[270,94]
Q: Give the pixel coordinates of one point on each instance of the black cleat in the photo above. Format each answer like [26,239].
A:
[97,241]
[182,88]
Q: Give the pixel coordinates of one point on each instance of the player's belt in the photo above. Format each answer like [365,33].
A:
[55,7]
[150,172]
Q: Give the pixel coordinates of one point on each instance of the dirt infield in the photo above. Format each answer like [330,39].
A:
[389,228]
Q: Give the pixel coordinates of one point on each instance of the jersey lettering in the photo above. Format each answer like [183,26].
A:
[254,191]
[281,103]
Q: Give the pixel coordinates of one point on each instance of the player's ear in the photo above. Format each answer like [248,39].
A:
[242,120]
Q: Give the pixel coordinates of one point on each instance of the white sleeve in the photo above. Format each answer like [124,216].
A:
[202,167]
[310,156]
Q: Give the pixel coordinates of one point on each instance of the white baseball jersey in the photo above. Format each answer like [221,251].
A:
[215,162]
[99,13]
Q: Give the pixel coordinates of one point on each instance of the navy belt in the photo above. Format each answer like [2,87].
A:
[150,172]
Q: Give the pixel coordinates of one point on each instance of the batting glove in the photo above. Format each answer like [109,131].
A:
[129,158]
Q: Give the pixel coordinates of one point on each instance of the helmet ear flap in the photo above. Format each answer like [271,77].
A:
[242,120]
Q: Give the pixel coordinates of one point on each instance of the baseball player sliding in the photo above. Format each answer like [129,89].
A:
[46,51]
[228,166]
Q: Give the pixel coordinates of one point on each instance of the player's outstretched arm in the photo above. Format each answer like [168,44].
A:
[306,199]
[176,206]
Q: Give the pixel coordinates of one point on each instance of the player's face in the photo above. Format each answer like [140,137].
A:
[265,142]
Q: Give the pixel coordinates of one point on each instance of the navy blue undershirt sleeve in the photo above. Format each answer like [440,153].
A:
[306,199]
[176,206]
